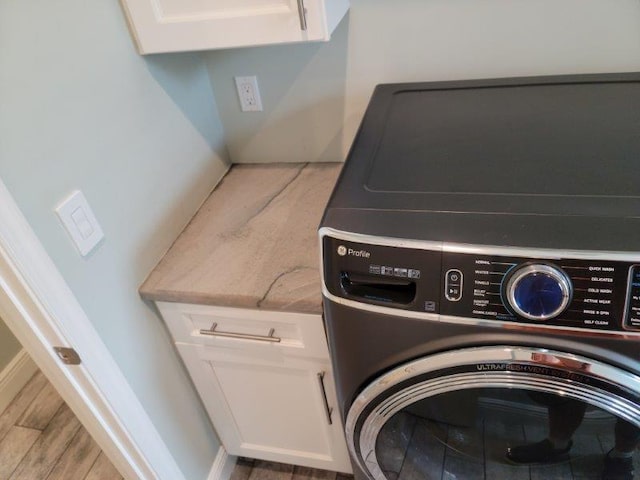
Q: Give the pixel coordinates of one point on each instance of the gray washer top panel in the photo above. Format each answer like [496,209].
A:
[552,146]
[560,140]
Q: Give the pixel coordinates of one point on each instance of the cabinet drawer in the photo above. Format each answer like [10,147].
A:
[257,330]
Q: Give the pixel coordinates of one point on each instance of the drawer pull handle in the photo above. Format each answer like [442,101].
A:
[244,336]
[327,409]
[302,13]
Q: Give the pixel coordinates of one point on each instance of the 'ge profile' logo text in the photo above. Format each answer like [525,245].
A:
[342,251]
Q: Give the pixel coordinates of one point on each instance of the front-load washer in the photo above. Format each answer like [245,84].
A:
[481,280]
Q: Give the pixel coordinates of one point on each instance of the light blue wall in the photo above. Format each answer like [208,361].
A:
[314,95]
[80,109]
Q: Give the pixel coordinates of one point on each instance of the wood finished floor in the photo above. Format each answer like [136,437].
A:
[41,439]
[249,469]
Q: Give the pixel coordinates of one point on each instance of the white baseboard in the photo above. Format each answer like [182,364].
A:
[222,465]
[15,376]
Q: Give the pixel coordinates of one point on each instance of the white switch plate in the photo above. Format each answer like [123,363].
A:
[80,222]
[249,94]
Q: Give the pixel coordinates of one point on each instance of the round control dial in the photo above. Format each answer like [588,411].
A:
[538,291]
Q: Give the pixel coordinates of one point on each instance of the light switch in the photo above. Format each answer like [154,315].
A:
[80,222]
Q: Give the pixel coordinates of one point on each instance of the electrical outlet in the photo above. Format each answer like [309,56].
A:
[249,94]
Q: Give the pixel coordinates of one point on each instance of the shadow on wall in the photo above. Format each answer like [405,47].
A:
[184,78]
[303,94]
[312,143]
[179,74]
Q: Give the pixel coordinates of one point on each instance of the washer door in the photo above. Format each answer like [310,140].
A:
[456,414]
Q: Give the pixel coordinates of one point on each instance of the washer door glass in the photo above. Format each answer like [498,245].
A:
[512,413]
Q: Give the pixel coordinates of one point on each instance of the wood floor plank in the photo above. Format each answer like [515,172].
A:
[42,409]
[103,469]
[22,401]
[49,446]
[306,473]
[40,438]
[263,470]
[14,447]
[77,459]
[344,476]
[242,469]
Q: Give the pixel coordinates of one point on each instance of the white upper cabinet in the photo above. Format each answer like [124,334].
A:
[185,25]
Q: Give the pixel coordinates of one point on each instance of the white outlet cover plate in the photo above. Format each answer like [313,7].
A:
[249,93]
[81,224]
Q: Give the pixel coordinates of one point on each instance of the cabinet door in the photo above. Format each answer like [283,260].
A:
[269,406]
[182,25]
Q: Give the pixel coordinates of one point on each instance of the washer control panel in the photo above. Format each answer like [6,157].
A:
[555,291]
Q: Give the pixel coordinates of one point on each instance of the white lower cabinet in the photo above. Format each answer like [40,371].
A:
[272,400]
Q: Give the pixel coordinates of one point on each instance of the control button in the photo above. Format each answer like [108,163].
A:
[414,273]
[453,285]
[400,272]
[453,293]
[538,291]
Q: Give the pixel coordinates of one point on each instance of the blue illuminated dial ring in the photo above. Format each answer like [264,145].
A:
[538,292]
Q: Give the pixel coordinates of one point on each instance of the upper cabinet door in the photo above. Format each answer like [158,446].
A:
[185,25]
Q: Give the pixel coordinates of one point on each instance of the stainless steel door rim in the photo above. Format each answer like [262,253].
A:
[533,369]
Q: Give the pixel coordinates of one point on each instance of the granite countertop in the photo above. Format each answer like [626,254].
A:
[253,243]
